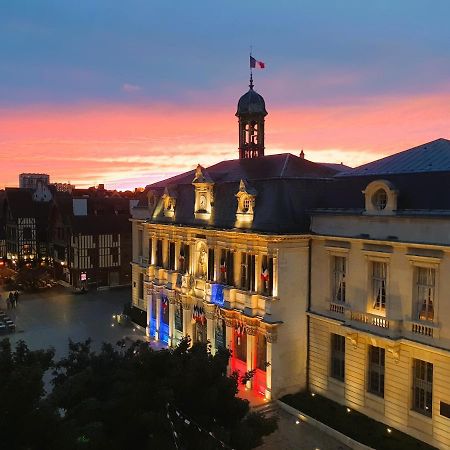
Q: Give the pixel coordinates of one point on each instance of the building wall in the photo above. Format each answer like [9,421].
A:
[258,313]
[403,336]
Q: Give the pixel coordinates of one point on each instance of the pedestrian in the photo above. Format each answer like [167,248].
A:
[10,300]
[16,298]
[1,300]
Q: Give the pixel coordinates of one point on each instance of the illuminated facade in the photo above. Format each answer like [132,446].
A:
[379,313]
[219,255]
[315,278]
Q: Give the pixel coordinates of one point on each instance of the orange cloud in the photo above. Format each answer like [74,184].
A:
[126,146]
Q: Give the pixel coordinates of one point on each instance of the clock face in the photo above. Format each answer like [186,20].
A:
[202,201]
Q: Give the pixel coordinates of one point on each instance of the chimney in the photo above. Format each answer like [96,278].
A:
[302,154]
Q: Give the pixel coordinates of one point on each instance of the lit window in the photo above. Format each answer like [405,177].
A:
[423,387]
[379,276]
[376,370]
[425,287]
[339,266]
[380,199]
[246,205]
[338,356]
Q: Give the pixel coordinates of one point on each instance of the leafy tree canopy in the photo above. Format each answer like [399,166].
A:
[125,396]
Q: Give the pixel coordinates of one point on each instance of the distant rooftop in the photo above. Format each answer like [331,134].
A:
[433,156]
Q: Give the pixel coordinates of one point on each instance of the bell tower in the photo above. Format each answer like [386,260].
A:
[251,112]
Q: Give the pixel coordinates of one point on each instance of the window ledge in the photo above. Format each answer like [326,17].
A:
[417,415]
[374,397]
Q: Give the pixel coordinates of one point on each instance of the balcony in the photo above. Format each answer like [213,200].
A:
[338,307]
[143,261]
[373,323]
[421,330]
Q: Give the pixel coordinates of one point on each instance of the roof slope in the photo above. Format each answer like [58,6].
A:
[283,166]
[433,156]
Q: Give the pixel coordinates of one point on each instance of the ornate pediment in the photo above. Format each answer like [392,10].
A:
[204,199]
[169,199]
[246,197]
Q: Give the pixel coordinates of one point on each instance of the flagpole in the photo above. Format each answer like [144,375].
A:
[251,70]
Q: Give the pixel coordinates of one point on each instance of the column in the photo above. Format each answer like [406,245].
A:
[229,335]
[158,314]
[187,316]
[149,310]
[251,342]
[258,269]
[171,319]
[210,325]
[165,253]
[275,276]
[177,255]
[217,263]
[270,340]
[153,259]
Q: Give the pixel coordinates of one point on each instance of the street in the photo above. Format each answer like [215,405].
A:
[50,317]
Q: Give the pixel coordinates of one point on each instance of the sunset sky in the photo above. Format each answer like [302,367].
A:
[128,92]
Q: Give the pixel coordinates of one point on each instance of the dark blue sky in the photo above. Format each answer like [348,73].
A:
[64,51]
[125,92]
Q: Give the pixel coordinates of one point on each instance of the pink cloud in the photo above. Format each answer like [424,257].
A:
[127,87]
[120,145]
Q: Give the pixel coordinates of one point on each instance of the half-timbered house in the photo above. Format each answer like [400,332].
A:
[91,240]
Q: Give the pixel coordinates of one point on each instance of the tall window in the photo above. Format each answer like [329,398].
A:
[227,267]
[171,255]
[339,270]
[379,277]
[376,370]
[425,287]
[115,254]
[220,333]
[338,356]
[184,257]
[159,253]
[261,352]
[267,275]
[240,344]
[423,387]
[150,250]
[210,264]
[247,271]
[178,316]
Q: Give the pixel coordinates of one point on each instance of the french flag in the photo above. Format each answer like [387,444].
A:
[254,64]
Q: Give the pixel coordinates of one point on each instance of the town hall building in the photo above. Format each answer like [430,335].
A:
[315,276]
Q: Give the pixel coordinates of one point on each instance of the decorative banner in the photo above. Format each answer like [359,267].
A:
[217,294]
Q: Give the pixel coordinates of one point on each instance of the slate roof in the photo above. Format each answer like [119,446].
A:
[251,103]
[101,215]
[20,202]
[286,185]
[281,166]
[433,156]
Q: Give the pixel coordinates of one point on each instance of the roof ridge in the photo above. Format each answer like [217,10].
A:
[284,165]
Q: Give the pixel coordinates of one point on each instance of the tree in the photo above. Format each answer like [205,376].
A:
[26,419]
[120,398]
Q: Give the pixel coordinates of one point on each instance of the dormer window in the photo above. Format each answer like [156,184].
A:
[169,202]
[245,204]
[204,201]
[381,198]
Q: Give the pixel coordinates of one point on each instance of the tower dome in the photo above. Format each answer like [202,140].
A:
[251,111]
[251,103]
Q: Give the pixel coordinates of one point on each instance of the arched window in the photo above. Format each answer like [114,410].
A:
[380,199]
